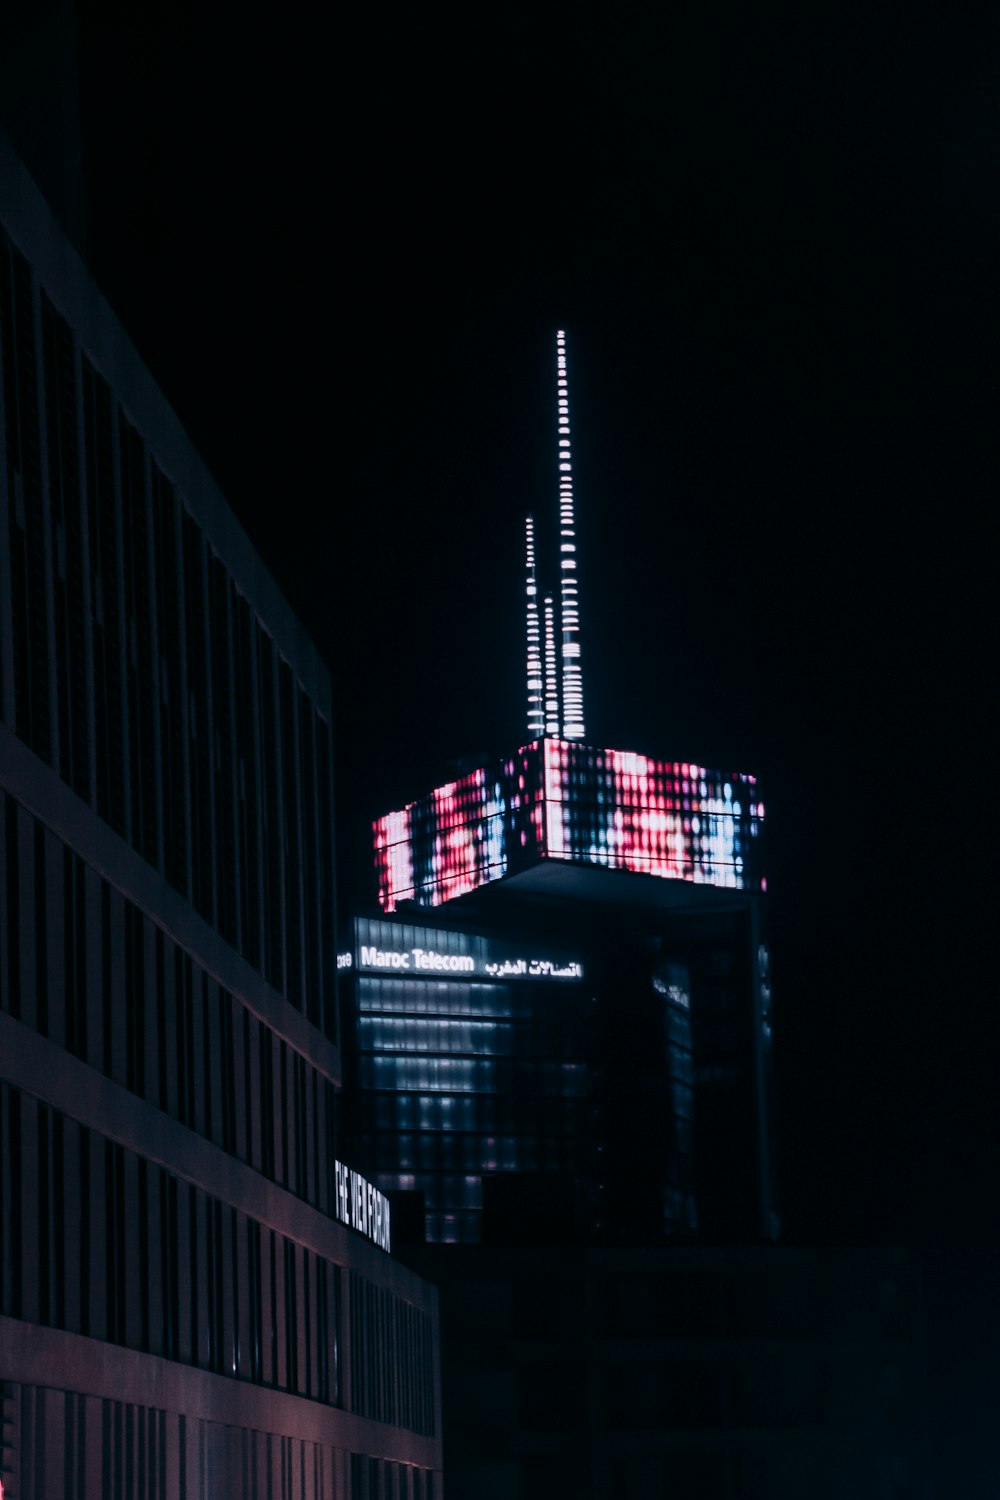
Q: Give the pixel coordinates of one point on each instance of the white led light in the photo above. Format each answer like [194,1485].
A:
[569,705]
[536,717]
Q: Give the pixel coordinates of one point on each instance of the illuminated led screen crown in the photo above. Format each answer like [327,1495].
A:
[555,800]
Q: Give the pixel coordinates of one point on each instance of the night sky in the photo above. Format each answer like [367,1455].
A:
[773,242]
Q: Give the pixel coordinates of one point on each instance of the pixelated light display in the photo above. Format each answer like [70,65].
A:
[557,800]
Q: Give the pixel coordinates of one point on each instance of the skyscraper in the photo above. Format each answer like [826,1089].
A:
[559,1040]
[196,1294]
[649,873]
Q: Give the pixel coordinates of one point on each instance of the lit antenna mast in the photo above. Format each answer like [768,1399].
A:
[551,681]
[572,682]
[536,706]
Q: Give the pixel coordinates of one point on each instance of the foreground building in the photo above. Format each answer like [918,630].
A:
[197,1296]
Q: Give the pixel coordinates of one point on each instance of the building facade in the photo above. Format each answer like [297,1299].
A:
[192,1303]
[563,1070]
[466,1061]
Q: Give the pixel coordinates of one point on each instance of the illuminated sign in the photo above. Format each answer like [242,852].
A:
[533,968]
[429,961]
[361,1206]
[557,800]
[416,958]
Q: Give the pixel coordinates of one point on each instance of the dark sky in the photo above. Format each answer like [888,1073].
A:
[773,242]
[343,247]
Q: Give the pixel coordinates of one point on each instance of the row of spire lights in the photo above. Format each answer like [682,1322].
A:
[548,711]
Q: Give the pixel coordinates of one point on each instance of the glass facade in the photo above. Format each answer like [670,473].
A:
[470,1059]
[619,1092]
[555,800]
[142,673]
[183,1310]
[123,996]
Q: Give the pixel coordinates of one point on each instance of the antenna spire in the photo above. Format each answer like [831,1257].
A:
[571,707]
[551,681]
[536,708]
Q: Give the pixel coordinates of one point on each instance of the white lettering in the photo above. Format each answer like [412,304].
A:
[443,963]
[379,958]
[343,1205]
[358,1203]
[430,961]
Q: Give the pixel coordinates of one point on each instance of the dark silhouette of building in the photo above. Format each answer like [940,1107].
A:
[195,1294]
[688,1373]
